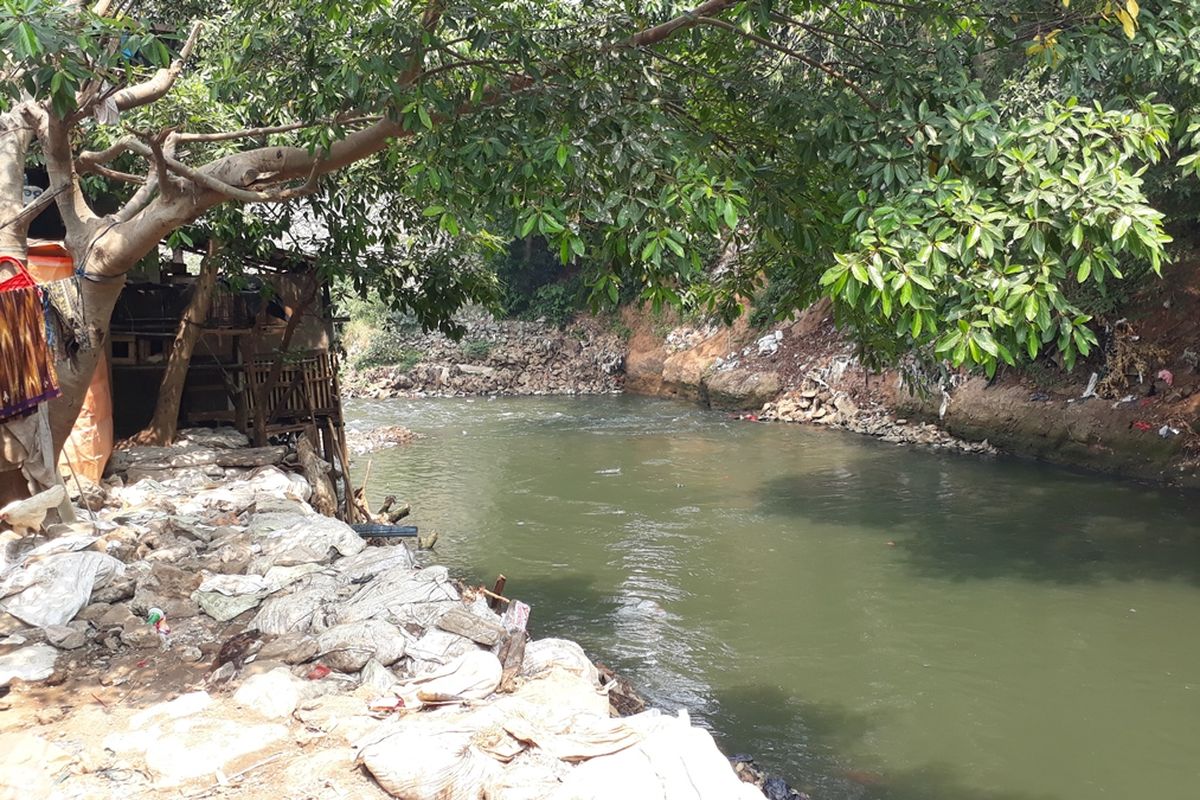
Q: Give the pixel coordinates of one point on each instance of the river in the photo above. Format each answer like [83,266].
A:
[870,621]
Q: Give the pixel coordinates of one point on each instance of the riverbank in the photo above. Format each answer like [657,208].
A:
[1133,411]
[495,357]
[293,660]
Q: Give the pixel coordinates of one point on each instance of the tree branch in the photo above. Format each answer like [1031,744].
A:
[691,18]
[254,133]
[226,178]
[39,205]
[157,87]
[53,132]
[16,134]
[158,158]
[113,174]
[854,87]
[89,158]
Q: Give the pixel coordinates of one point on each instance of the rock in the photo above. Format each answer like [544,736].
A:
[115,617]
[476,628]
[740,388]
[222,674]
[137,633]
[169,588]
[348,647]
[117,590]
[845,406]
[94,612]
[190,654]
[71,636]
[33,663]
[290,649]
[274,694]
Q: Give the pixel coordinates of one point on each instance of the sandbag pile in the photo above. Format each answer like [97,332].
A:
[318,644]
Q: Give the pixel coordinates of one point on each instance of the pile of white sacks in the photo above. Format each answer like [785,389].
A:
[338,645]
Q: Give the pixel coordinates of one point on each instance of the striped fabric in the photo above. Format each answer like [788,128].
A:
[27,375]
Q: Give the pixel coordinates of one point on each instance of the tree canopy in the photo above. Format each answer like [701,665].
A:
[956,176]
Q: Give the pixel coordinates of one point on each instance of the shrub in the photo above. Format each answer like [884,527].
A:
[476,350]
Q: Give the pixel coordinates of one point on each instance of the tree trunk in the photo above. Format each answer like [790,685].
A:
[163,425]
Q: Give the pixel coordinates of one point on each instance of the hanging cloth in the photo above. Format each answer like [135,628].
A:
[68,323]
[27,376]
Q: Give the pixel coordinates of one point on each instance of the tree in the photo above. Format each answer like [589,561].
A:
[944,170]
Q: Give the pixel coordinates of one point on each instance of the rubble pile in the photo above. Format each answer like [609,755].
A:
[819,405]
[206,633]
[369,440]
[504,357]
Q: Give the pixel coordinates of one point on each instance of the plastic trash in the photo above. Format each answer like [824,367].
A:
[158,619]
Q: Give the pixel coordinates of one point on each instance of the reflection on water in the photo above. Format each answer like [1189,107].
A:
[871,621]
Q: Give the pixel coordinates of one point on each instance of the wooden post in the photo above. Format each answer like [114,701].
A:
[497,592]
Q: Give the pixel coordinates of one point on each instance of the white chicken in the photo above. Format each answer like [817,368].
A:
[26,516]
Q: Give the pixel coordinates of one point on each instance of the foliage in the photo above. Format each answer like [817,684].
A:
[477,349]
[528,274]
[383,349]
[949,173]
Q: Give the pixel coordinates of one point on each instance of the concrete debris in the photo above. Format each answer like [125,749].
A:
[818,405]
[466,623]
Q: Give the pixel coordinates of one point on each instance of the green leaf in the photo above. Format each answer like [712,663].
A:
[423,114]
[1085,269]
[1121,226]
[27,40]
[731,215]
[527,228]
[1037,241]
[562,155]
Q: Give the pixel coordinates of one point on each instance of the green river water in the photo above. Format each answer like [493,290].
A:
[869,621]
